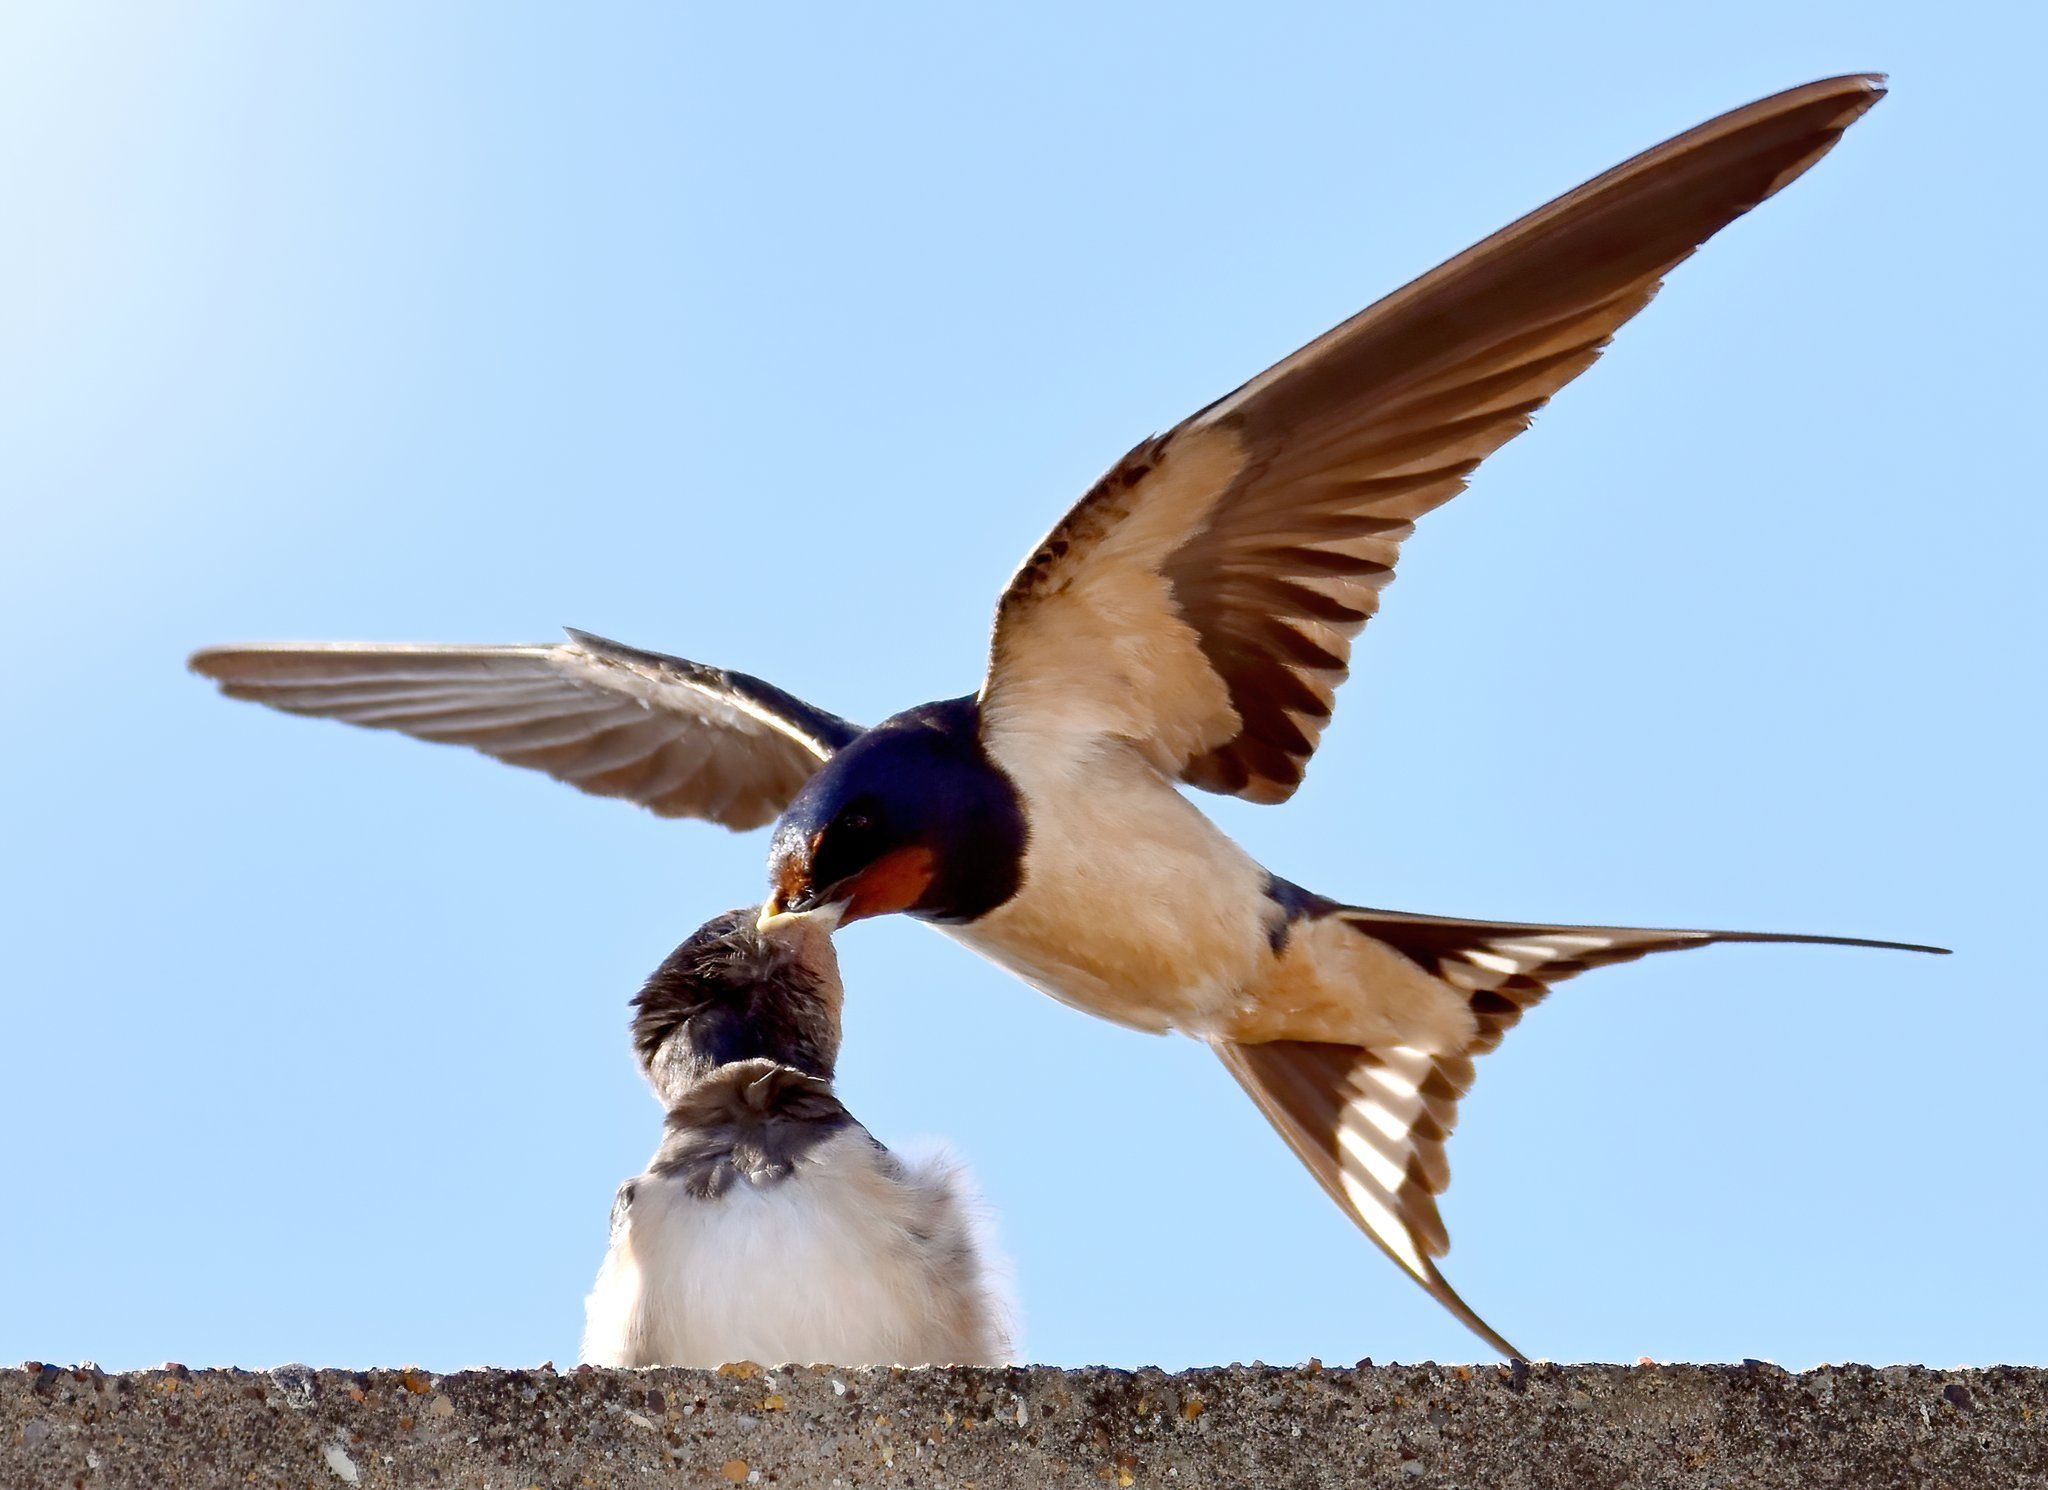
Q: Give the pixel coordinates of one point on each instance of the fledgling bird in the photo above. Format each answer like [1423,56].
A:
[1187,623]
[770,1225]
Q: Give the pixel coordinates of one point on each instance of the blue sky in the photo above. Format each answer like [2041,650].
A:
[774,337]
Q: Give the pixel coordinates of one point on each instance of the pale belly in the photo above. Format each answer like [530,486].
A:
[1134,907]
[1138,909]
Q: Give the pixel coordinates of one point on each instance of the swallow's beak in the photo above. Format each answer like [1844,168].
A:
[894,882]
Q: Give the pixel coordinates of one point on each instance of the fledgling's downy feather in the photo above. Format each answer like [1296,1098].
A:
[770,1225]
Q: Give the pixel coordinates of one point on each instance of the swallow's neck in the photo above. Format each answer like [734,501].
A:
[753,1121]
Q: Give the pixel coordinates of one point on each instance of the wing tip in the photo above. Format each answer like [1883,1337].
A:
[1863,88]
[226,662]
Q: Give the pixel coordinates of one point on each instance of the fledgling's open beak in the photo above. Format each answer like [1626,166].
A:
[776,916]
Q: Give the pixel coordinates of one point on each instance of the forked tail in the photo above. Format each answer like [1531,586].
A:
[1371,1125]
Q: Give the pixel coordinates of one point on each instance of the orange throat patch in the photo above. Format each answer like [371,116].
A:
[894,882]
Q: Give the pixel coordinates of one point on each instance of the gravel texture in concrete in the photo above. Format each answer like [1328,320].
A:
[1303,1428]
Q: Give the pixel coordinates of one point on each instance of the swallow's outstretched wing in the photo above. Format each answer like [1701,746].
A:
[1200,601]
[675,736]
[1372,1125]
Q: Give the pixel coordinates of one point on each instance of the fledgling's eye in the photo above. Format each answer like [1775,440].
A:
[856,822]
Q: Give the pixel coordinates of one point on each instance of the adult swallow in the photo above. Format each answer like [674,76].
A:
[770,1225]
[1187,622]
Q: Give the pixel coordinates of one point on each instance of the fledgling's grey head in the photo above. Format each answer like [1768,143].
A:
[734,992]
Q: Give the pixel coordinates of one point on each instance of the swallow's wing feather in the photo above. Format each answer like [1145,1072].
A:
[675,736]
[1200,601]
[1372,1125]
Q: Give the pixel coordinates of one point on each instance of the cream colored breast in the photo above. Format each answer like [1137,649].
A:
[1134,906]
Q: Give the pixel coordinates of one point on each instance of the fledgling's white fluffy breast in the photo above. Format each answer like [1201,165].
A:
[854,1259]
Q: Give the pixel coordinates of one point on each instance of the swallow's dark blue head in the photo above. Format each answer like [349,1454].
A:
[912,816]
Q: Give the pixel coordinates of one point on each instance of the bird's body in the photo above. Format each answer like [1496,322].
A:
[1134,906]
[770,1225]
[1187,623]
[842,1260]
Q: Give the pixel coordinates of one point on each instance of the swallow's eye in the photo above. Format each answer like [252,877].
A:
[857,821]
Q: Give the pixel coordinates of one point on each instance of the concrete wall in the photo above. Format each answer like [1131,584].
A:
[1410,1427]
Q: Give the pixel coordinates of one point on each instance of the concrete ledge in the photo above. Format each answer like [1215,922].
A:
[1411,1427]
